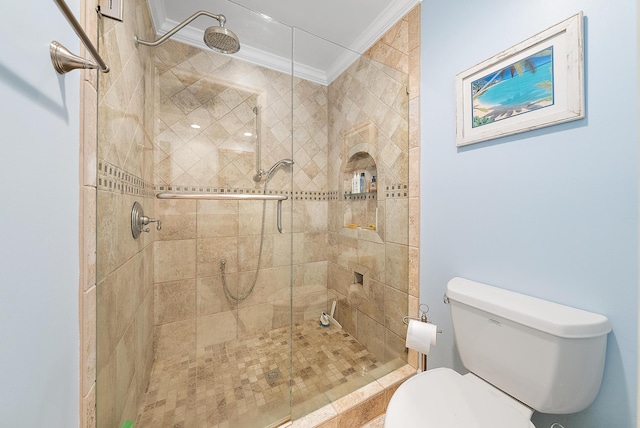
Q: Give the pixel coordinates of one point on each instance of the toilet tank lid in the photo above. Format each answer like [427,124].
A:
[549,317]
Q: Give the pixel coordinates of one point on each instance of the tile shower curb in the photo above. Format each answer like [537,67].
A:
[359,407]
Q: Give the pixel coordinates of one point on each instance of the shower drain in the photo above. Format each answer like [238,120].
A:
[272,376]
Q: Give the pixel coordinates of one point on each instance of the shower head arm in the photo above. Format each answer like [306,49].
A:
[220,18]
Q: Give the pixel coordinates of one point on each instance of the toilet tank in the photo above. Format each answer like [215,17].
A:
[547,355]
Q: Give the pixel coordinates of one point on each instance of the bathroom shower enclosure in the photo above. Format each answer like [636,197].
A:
[213,318]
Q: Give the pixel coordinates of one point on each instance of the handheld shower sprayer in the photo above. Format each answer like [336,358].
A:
[266,175]
[282,162]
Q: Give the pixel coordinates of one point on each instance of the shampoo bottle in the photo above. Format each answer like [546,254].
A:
[373,185]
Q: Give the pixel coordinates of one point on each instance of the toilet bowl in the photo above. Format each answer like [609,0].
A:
[442,397]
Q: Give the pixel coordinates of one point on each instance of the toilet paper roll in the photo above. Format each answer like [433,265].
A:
[421,336]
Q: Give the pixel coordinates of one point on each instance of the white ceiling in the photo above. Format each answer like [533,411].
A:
[322,36]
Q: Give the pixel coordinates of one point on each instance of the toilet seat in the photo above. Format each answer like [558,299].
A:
[443,398]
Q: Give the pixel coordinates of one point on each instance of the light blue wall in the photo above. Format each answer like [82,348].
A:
[39,150]
[551,213]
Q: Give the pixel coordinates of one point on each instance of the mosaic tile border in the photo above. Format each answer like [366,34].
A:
[114,179]
[311,196]
[397,191]
[360,196]
[394,191]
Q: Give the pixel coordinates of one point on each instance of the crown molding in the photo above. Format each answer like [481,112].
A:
[193,37]
[387,19]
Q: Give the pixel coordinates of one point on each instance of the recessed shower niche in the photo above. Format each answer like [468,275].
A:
[360,181]
[360,192]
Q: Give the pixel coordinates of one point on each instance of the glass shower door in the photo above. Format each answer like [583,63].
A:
[193,319]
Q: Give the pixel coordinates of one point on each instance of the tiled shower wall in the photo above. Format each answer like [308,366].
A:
[369,112]
[123,174]
[218,93]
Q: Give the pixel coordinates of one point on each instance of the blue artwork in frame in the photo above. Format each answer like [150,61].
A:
[518,88]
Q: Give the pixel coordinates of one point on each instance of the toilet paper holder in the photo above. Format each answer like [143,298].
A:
[423,309]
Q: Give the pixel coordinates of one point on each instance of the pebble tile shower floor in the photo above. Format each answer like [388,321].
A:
[245,382]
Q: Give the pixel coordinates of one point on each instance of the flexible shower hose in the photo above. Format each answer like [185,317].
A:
[223,262]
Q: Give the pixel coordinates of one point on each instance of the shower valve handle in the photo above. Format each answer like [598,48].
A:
[146,220]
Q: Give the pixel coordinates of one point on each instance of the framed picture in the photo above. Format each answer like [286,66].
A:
[536,83]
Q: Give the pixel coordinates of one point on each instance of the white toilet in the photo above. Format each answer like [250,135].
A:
[523,354]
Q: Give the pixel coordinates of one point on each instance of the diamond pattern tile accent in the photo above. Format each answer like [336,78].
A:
[223,107]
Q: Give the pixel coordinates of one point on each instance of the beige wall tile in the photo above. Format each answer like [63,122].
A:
[249,217]
[178,219]
[372,256]
[282,254]
[371,335]
[331,423]
[88,237]
[210,252]
[88,417]
[315,216]
[394,346]
[175,301]
[106,390]
[211,297]
[395,308]
[125,369]
[282,313]
[217,328]
[397,266]
[315,304]
[249,250]
[175,339]
[88,341]
[106,234]
[414,271]
[255,319]
[375,423]
[144,334]
[357,397]
[217,219]
[314,278]
[414,222]
[174,260]
[106,322]
[315,246]
[396,221]
[368,298]
[316,417]
[362,413]
[88,126]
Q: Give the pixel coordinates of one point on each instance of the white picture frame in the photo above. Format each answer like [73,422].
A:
[503,95]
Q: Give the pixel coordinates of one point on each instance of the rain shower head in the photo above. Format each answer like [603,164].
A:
[221,39]
[217,38]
